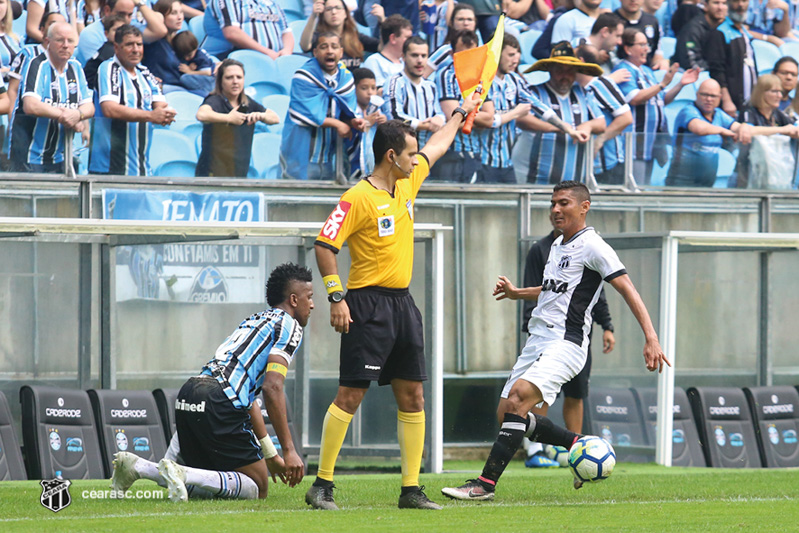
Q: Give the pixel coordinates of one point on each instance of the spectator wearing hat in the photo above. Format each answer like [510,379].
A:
[552,156]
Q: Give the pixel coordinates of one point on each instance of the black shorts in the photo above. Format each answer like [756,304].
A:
[216,435]
[385,341]
[577,387]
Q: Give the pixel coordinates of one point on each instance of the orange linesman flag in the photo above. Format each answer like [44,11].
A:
[477,67]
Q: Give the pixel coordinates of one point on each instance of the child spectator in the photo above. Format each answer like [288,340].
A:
[196,66]
[110,25]
[362,159]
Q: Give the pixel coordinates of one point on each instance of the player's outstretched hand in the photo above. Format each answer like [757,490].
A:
[654,356]
[276,468]
[505,289]
[294,469]
[340,317]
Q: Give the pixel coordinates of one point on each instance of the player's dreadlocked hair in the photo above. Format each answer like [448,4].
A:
[579,190]
[278,283]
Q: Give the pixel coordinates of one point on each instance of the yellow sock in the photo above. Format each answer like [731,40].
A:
[333,432]
[410,433]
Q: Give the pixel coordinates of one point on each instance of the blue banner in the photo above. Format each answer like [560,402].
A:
[183,206]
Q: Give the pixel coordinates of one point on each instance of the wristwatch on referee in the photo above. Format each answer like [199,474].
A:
[461,111]
[335,297]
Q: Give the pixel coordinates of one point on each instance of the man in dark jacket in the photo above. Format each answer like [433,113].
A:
[692,39]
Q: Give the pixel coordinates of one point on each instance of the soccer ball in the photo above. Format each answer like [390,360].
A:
[592,459]
[559,454]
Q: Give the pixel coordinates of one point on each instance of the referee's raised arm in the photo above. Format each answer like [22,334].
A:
[439,142]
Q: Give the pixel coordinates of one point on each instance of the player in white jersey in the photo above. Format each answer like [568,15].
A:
[579,262]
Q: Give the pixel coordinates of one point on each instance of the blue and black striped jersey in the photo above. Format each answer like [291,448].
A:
[262,20]
[240,362]
[120,147]
[448,89]
[612,103]
[411,102]
[649,118]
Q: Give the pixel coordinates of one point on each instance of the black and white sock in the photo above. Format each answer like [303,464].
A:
[508,441]
[541,429]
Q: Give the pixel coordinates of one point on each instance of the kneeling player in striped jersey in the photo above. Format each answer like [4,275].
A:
[556,350]
[220,429]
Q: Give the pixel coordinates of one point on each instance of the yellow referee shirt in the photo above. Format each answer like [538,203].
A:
[379,230]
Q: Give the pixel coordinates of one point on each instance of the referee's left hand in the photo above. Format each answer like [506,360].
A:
[340,317]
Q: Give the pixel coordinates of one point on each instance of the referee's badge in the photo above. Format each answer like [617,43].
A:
[409,207]
[385,226]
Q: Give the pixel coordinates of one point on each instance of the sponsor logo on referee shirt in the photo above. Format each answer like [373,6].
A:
[335,220]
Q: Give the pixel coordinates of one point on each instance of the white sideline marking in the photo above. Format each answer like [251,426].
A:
[738,499]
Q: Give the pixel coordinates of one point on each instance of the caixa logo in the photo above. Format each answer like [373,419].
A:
[141,444]
[75,444]
[209,286]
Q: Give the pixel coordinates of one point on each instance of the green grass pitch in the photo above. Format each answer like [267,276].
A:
[635,498]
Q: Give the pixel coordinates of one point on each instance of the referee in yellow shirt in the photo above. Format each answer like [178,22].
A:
[381,327]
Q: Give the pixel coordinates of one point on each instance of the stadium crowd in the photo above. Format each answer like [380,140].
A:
[707,89]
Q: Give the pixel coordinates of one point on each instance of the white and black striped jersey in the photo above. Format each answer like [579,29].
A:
[573,278]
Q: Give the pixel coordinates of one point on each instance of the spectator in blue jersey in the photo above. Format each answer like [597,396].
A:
[507,106]
[463,19]
[165,63]
[543,45]
[609,145]
[53,106]
[362,160]
[130,102]
[394,31]
[633,15]
[259,25]
[321,110]
[551,157]
[376,10]
[437,22]
[9,41]
[411,98]
[225,445]
[333,16]
[699,132]
[606,37]
[731,58]
[577,23]
[770,17]
[787,70]
[229,117]
[647,96]
[136,12]
[111,24]
[88,11]
[37,9]
[462,161]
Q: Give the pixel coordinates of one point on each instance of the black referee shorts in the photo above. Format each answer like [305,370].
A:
[385,340]
[213,434]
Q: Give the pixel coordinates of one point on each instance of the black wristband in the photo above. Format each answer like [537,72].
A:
[461,111]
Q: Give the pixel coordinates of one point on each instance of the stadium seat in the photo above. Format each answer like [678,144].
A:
[667,46]
[279,103]
[527,41]
[257,66]
[686,94]
[11,465]
[129,421]
[296,28]
[366,30]
[179,168]
[614,415]
[186,105]
[192,132]
[295,436]
[165,400]
[659,75]
[766,54]
[265,155]
[672,110]
[169,146]
[296,5]
[287,66]
[686,447]
[725,427]
[20,25]
[776,414]
[659,173]
[59,434]
[726,167]
[261,89]
[294,15]
[196,25]
[790,48]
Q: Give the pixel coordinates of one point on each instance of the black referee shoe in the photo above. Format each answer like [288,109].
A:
[321,497]
[415,498]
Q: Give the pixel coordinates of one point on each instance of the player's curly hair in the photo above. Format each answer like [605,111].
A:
[277,286]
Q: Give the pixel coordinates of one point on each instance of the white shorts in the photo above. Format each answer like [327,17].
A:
[548,364]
